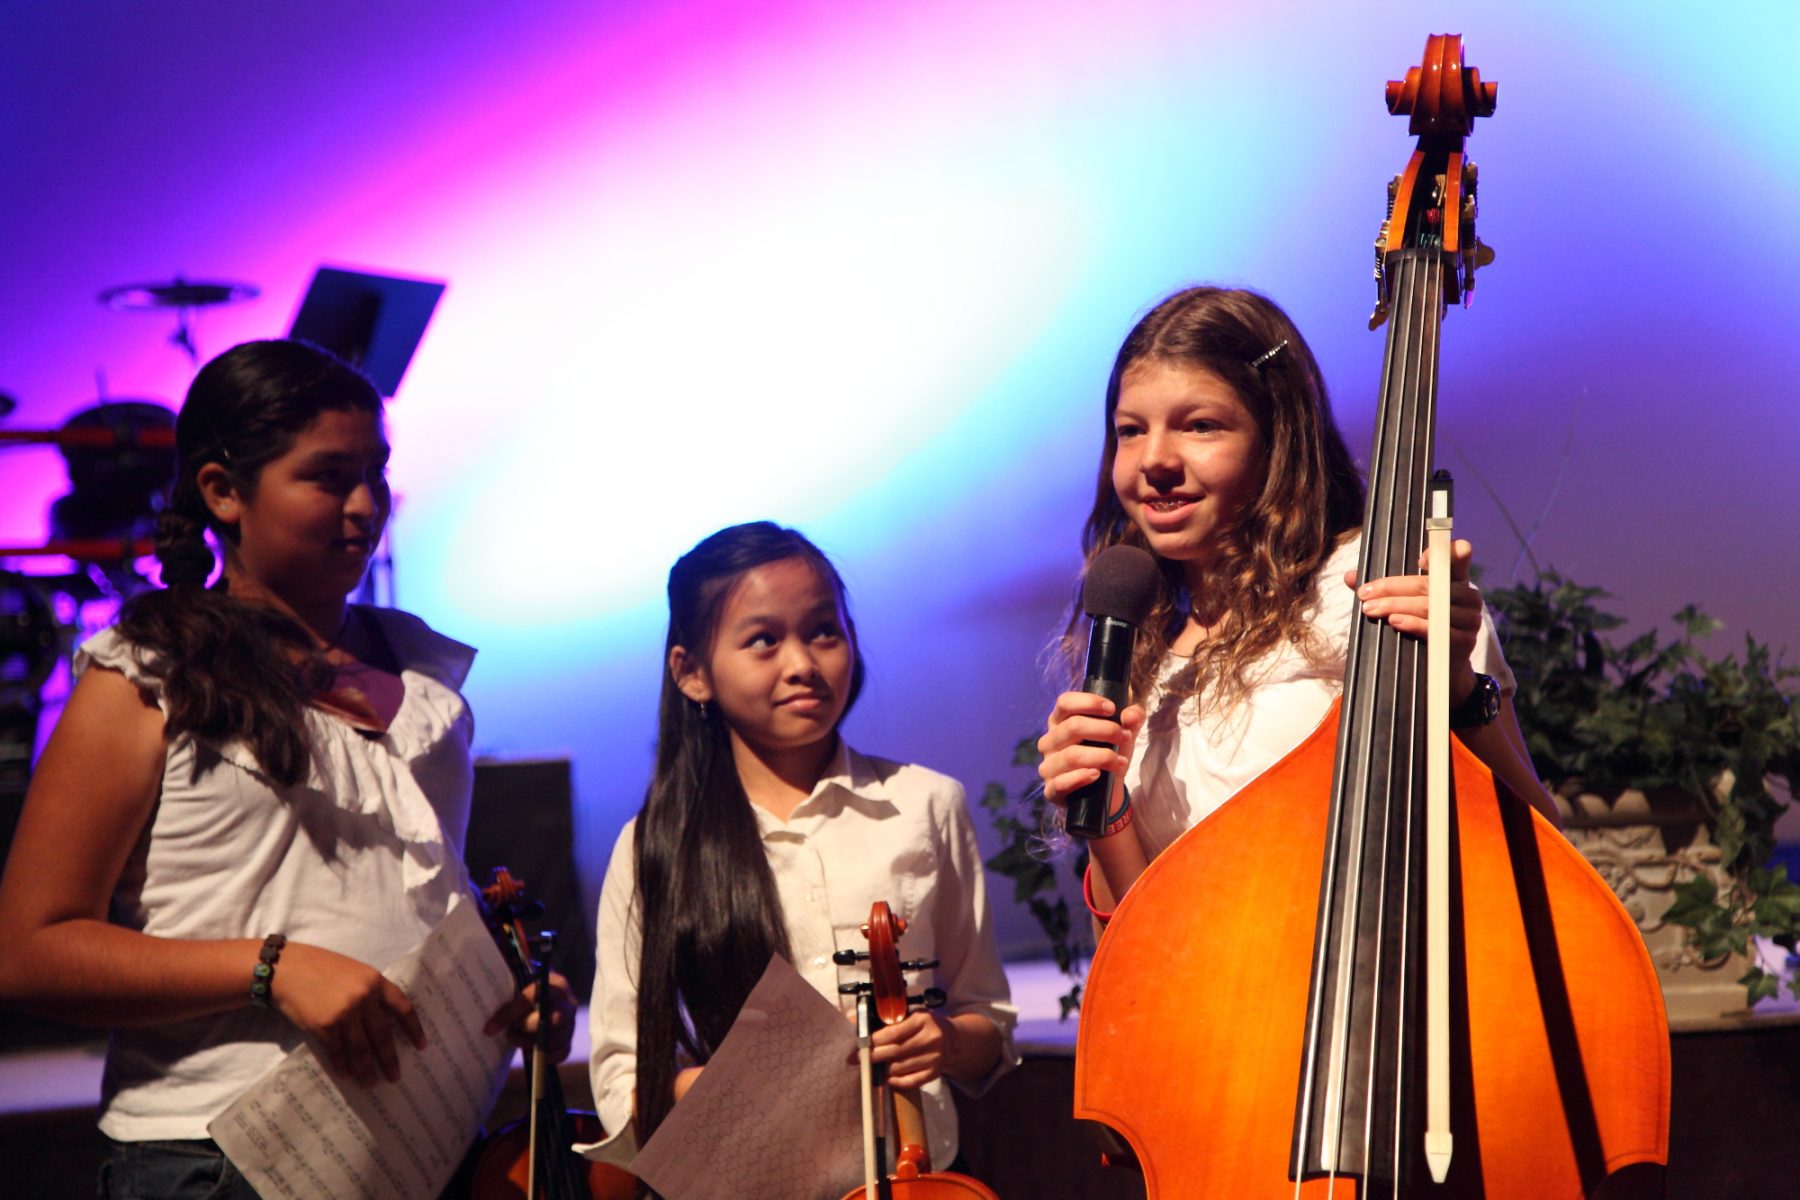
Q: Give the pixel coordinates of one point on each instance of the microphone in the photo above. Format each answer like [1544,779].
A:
[1119,589]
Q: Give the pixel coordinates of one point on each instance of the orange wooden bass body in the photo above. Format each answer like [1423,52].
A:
[1190,1039]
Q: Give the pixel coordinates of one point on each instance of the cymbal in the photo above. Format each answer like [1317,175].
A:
[177,293]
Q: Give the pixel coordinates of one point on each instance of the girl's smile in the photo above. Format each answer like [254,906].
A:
[1189,458]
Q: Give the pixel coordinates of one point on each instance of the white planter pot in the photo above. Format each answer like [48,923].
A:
[1637,863]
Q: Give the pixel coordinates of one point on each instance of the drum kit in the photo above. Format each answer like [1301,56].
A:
[121,459]
[120,456]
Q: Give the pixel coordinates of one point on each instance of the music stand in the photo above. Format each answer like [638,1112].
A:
[373,322]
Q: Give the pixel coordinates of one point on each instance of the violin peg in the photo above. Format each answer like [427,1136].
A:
[919,964]
[849,958]
[933,997]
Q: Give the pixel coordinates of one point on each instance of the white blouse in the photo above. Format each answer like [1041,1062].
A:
[871,830]
[363,857]
[1187,763]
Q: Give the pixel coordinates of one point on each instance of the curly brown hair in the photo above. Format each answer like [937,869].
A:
[1311,495]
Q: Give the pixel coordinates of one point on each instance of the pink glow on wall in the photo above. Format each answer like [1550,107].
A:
[862,267]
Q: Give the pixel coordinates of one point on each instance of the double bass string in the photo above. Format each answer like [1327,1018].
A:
[1427,323]
[1352,791]
[1419,323]
[1398,674]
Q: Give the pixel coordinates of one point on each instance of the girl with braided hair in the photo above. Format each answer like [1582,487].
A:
[257,794]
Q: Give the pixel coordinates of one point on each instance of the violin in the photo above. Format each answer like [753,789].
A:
[531,1158]
[1265,1015]
[880,1002]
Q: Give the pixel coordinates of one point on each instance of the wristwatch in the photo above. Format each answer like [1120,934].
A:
[1479,707]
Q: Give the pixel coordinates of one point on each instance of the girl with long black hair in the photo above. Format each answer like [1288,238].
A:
[257,793]
[764,833]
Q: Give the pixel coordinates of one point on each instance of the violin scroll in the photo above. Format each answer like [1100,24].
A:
[884,1001]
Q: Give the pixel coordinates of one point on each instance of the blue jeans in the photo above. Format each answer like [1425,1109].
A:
[196,1170]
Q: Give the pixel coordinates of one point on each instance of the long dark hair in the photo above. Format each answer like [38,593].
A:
[707,903]
[234,670]
[1311,494]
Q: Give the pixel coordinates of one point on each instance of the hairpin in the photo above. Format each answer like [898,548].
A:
[1266,355]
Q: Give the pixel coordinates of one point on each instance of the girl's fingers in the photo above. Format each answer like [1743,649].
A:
[1077,730]
[508,1014]
[1067,782]
[358,1056]
[1070,757]
[1071,704]
[404,1014]
[380,1031]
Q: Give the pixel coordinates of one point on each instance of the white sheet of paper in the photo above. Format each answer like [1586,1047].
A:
[302,1133]
[775,1113]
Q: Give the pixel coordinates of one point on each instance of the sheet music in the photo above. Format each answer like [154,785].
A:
[776,1112]
[302,1134]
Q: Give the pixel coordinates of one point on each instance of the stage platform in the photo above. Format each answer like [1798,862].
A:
[1736,1101]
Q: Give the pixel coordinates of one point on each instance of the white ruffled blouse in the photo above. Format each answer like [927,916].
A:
[363,857]
[1189,762]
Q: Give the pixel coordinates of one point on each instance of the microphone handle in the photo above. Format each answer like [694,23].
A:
[1108,669]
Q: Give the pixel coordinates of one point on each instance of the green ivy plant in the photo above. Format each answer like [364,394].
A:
[1025,860]
[1654,714]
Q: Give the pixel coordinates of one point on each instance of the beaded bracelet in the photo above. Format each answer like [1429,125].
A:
[262,976]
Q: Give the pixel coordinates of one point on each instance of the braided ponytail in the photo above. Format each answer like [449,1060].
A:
[182,550]
[232,670]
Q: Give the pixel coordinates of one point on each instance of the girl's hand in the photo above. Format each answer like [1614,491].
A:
[1067,764]
[349,1007]
[1400,600]
[519,1018]
[914,1049]
[686,1078]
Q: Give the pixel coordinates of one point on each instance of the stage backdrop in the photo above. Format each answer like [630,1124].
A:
[861,268]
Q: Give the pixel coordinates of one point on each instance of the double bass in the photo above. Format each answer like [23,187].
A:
[1257,1020]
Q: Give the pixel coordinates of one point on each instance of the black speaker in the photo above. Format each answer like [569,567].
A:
[521,820]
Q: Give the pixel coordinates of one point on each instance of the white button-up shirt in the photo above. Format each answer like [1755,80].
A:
[871,830]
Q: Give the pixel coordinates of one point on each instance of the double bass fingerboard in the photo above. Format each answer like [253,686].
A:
[1363,1056]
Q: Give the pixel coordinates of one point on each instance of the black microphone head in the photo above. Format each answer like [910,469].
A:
[1121,583]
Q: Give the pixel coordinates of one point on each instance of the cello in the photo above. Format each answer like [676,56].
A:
[1263,1016]
[883,1001]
